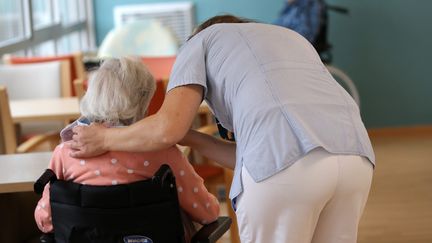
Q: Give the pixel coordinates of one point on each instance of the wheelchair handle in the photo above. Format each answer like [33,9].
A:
[47,176]
[163,175]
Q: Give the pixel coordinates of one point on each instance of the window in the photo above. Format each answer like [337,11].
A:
[41,14]
[11,21]
[46,27]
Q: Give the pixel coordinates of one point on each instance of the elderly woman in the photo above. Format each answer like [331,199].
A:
[118,95]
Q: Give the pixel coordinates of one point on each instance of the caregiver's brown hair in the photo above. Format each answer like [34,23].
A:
[219,19]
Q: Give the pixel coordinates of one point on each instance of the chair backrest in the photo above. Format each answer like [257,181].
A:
[142,38]
[158,98]
[75,60]
[8,141]
[160,67]
[37,80]
[145,210]
[80,86]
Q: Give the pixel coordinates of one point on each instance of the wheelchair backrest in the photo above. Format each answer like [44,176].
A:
[145,211]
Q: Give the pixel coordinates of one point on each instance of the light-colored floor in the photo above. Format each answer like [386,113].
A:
[399,208]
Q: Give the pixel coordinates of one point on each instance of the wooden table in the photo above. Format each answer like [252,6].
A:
[20,171]
[53,109]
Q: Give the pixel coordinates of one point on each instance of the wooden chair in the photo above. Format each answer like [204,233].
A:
[8,139]
[75,60]
[80,87]
[37,81]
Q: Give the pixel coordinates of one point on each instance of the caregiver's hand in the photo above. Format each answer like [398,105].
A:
[88,141]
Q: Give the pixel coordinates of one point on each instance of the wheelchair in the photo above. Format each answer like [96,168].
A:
[146,211]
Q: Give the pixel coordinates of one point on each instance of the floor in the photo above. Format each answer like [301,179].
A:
[399,208]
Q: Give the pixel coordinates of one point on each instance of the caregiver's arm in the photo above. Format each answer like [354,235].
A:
[218,150]
[158,131]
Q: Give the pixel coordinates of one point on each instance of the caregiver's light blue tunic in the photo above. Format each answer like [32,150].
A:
[267,85]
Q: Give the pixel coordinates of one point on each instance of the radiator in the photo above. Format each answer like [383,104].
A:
[178,16]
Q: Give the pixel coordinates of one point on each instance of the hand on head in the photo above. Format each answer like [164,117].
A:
[88,141]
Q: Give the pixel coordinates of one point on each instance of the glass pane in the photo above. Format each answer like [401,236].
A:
[62,46]
[11,20]
[42,13]
[75,41]
[44,49]
[82,7]
[84,41]
[69,43]
[68,11]
[21,53]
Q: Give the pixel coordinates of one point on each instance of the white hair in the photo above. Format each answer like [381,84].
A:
[119,92]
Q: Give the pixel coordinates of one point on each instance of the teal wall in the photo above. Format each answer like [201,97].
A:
[384,46]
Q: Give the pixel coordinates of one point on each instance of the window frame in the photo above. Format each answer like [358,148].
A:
[33,37]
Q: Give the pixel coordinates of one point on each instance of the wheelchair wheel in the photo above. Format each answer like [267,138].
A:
[345,81]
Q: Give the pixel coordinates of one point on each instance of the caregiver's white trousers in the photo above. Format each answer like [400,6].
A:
[319,199]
